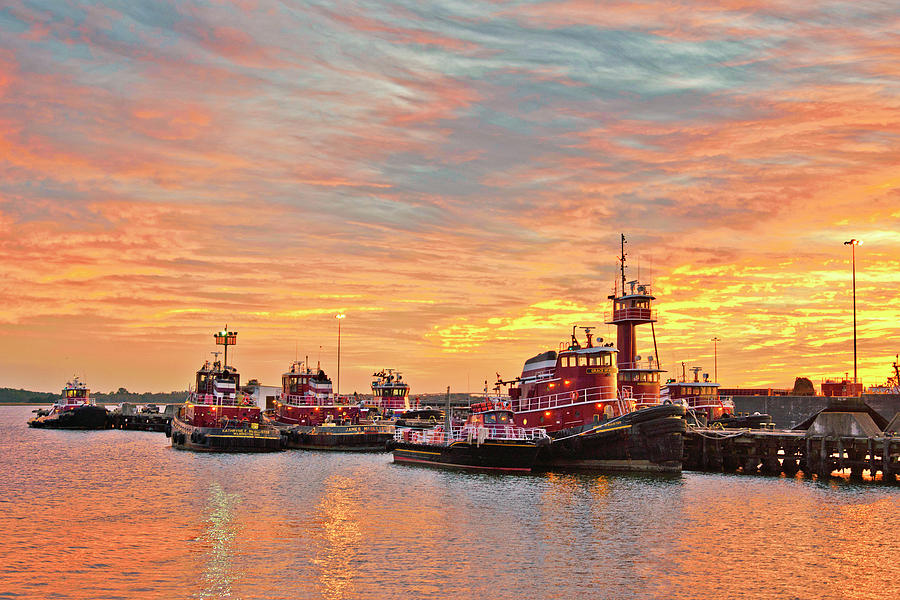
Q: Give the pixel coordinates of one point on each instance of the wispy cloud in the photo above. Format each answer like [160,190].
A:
[452,175]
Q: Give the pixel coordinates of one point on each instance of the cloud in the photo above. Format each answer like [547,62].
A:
[453,176]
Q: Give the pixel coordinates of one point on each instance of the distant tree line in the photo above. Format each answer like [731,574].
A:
[10,395]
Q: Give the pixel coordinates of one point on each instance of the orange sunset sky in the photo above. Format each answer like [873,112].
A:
[453,176]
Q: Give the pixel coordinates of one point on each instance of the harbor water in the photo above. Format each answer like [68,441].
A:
[120,514]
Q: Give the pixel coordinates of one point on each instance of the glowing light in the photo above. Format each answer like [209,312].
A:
[548,413]
[552,385]
[340,316]
[567,382]
[599,405]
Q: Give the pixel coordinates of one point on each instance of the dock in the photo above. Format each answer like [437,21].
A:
[148,418]
[843,437]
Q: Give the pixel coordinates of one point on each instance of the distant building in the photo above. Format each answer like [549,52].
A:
[264,396]
[841,387]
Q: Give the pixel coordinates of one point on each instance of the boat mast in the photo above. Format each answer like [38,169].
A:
[622,263]
[225,338]
[447,416]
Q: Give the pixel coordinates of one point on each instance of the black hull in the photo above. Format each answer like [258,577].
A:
[351,438]
[83,417]
[229,439]
[648,440]
[506,456]
[757,421]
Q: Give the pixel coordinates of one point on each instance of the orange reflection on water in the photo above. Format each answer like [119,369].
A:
[337,516]
[219,537]
[778,539]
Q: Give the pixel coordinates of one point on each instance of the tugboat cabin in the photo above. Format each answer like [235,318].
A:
[216,401]
[76,392]
[572,387]
[700,396]
[389,392]
[307,399]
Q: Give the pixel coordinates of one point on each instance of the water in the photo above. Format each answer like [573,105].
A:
[119,514]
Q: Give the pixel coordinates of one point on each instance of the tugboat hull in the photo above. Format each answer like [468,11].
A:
[224,439]
[508,456]
[648,440]
[83,417]
[340,438]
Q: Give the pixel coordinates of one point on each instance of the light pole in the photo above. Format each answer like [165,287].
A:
[339,317]
[853,244]
[715,342]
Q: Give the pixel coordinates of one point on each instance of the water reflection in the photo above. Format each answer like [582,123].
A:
[337,517]
[119,515]
[219,571]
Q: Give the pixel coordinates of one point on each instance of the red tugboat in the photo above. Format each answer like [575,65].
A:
[489,440]
[74,410]
[216,417]
[390,394]
[700,397]
[705,406]
[311,417]
[586,397]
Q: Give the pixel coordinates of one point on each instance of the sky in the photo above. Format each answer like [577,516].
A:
[454,176]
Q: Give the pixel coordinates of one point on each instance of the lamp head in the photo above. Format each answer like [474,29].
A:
[853,242]
[340,316]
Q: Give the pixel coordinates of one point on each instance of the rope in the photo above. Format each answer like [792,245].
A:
[719,436]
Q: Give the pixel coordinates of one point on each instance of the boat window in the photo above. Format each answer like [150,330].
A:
[607,359]
[582,360]
[503,418]
[490,418]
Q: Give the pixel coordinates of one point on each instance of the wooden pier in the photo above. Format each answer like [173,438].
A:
[791,452]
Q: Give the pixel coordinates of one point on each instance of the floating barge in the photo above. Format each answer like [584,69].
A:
[845,436]
[149,418]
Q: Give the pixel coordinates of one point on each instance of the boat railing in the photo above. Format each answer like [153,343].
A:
[621,314]
[213,400]
[603,393]
[468,433]
[707,401]
[304,400]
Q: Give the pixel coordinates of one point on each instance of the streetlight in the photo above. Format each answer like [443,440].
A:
[339,317]
[715,342]
[853,244]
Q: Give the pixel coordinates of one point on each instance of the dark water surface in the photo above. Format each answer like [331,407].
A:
[118,514]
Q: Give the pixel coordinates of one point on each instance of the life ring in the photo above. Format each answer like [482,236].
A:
[574,396]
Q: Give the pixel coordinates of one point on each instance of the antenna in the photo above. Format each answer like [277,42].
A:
[587,334]
[622,261]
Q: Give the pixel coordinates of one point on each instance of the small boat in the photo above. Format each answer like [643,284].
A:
[702,401]
[217,417]
[489,440]
[74,410]
[390,394]
[311,417]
